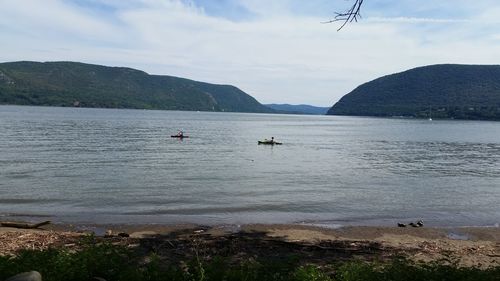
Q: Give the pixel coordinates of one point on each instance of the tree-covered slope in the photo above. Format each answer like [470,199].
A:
[298,109]
[444,91]
[86,85]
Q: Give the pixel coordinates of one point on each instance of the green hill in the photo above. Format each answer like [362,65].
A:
[445,91]
[87,85]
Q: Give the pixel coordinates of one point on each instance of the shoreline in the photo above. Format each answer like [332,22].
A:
[469,246]
[167,227]
[327,224]
[352,231]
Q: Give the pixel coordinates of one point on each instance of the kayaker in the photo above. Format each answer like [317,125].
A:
[180,134]
[272,139]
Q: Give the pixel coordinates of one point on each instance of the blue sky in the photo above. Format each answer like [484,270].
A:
[277,51]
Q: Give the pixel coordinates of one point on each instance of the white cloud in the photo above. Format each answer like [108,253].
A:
[51,18]
[276,57]
[415,20]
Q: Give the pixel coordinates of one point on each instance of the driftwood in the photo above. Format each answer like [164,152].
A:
[23,225]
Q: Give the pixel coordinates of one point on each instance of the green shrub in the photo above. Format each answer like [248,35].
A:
[118,263]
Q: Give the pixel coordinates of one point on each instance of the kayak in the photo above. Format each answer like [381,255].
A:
[179,137]
[269,142]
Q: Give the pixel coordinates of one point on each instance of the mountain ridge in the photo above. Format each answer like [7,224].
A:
[454,91]
[67,83]
[298,108]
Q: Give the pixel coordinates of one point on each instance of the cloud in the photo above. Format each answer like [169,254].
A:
[273,52]
[416,20]
[51,18]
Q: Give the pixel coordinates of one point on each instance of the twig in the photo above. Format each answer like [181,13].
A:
[352,14]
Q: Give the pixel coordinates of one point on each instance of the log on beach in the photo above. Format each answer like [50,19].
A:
[23,224]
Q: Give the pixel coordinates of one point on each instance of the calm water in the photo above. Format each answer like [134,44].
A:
[121,166]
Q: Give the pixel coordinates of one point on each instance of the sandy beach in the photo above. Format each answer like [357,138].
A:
[473,246]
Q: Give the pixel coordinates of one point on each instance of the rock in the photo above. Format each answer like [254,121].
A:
[401,224]
[108,234]
[413,224]
[123,234]
[98,279]
[420,223]
[26,276]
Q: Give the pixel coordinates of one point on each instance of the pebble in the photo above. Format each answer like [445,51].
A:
[26,276]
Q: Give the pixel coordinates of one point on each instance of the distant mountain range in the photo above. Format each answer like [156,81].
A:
[437,91]
[87,85]
[298,109]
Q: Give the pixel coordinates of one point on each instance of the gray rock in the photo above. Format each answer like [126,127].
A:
[26,276]
[108,234]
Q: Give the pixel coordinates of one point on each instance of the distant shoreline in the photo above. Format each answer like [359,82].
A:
[388,117]
[160,110]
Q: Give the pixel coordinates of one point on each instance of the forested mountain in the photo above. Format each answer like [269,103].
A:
[440,91]
[87,85]
[298,109]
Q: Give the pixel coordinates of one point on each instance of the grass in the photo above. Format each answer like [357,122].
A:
[121,263]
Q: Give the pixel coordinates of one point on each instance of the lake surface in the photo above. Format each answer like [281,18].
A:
[120,166]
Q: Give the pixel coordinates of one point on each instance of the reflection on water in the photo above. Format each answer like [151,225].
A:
[104,165]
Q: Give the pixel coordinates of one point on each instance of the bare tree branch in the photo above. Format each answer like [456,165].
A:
[352,14]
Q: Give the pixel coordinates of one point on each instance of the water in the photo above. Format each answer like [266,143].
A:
[78,165]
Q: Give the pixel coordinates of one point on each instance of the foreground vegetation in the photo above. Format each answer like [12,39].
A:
[115,262]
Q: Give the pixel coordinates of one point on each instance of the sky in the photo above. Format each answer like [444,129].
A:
[278,51]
